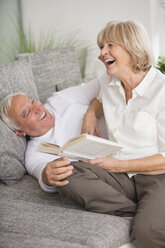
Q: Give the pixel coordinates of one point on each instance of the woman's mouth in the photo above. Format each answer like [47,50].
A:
[109,61]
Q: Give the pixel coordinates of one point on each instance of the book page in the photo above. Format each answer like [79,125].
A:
[91,149]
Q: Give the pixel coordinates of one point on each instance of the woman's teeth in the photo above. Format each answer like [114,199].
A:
[109,61]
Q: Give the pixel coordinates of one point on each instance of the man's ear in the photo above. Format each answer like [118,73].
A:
[20,133]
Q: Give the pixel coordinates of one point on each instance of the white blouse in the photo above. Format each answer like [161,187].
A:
[139,125]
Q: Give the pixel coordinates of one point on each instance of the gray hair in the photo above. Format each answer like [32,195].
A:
[5,105]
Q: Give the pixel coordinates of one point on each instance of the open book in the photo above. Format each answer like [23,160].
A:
[85,146]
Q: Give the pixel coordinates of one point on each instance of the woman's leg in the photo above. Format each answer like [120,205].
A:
[148,229]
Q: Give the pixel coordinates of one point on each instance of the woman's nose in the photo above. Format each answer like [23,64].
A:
[104,51]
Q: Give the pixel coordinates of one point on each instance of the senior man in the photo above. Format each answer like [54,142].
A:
[57,121]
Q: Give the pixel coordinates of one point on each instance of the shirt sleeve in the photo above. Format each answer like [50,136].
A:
[35,162]
[46,188]
[83,93]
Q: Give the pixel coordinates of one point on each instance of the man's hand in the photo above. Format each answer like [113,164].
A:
[57,170]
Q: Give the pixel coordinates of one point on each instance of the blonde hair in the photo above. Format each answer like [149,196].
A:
[133,38]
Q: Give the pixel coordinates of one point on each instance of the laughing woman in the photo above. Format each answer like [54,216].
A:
[132,100]
[131,97]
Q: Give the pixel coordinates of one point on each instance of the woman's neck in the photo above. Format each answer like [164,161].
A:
[131,81]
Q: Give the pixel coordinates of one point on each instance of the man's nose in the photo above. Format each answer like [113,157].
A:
[36,107]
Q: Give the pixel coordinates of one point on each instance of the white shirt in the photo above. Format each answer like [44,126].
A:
[68,107]
[139,125]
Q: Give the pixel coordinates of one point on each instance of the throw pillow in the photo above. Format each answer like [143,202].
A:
[12,150]
[14,77]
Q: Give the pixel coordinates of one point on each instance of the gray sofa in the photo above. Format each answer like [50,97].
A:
[30,217]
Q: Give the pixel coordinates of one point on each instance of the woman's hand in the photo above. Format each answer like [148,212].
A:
[89,124]
[108,163]
[94,112]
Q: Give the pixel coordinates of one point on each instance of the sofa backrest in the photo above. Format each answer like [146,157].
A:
[38,75]
[53,70]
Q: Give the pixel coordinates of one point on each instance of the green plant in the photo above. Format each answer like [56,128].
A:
[161,64]
[26,43]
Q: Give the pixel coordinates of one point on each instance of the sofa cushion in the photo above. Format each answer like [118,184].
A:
[53,70]
[12,149]
[14,77]
[33,218]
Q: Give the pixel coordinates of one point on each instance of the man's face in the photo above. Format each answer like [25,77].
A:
[33,118]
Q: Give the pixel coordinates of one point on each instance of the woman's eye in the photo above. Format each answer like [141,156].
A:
[110,45]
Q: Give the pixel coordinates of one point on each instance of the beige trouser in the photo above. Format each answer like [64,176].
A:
[100,191]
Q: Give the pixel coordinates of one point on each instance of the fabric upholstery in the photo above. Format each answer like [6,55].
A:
[34,218]
[14,77]
[29,217]
[17,76]
[53,70]
[12,149]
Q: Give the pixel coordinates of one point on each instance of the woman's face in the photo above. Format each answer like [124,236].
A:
[116,59]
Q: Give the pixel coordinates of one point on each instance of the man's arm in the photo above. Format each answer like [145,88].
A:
[83,93]
[152,165]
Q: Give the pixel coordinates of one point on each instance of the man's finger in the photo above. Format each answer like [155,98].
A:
[60,183]
[60,162]
[58,177]
[60,170]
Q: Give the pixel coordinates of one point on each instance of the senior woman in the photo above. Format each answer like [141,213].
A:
[132,100]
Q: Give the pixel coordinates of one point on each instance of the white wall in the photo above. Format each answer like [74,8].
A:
[157,27]
[90,16]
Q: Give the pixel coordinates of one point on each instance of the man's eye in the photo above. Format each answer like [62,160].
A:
[28,114]
[31,101]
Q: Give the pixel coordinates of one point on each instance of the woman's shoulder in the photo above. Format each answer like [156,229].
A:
[159,76]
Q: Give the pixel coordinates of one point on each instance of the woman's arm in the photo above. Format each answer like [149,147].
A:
[152,165]
[94,112]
